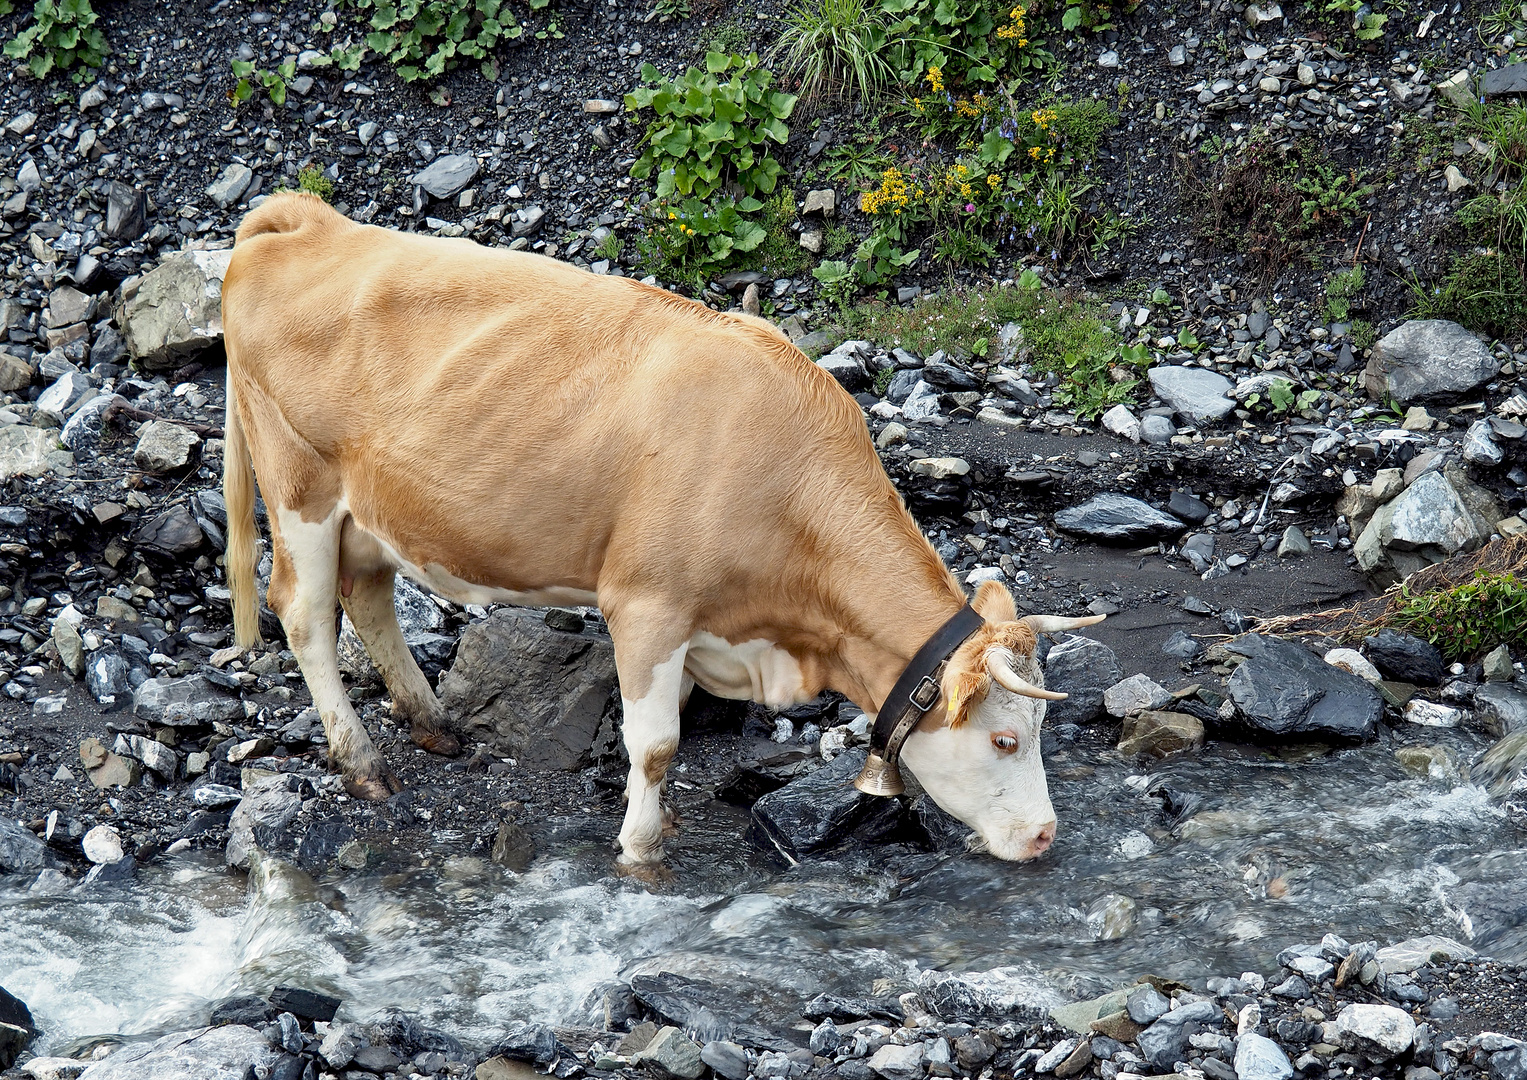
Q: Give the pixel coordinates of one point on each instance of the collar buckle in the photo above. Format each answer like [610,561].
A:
[926,694]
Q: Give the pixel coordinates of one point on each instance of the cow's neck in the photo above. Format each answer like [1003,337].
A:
[888,621]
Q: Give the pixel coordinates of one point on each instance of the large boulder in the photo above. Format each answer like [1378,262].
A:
[1428,360]
[261,820]
[20,850]
[176,309]
[1197,394]
[1438,516]
[1282,692]
[1118,519]
[1084,669]
[544,697]
[30,451]
[223,1053]
[814,812]
[1378,1032]
[1500,709]
[186,702]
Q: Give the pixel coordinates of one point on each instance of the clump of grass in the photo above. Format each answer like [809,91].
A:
[311,179]
[835,47]
[1070,338]
[1484,291]
[1342,288]
[1470,619]
[780,254]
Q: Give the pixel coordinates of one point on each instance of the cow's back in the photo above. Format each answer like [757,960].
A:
[515,418]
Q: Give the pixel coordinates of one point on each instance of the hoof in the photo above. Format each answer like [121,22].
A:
[651,874]
[435,740]
[373,788]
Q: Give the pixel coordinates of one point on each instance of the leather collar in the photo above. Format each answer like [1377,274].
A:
[918,689]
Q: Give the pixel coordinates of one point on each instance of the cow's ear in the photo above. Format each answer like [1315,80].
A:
[994,603]
[964,690]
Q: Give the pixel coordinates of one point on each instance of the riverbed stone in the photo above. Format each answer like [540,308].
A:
[1425,360]
[1413,953]
[303,1003]
[1199,395]
[1135,694]
[1146,1004]
[26,450]
[191,701]
[446,175]
[1111,518]
[673,1054]
[1259,1058]
[163,447]
[171,533]
[1160,733]
[21,851]
[1084,669]
[1439,515]
[1500,709]
[1354,663]
[259,822]
[54,1068]
[727,1058]
[1281,691]
[544,697]
[513,847]
[1378,1032]
[814,812]
[1498,666]
[176,310]
[1405,657]
[222,1053]
[897,1062]
[102,844]
[1165,1042]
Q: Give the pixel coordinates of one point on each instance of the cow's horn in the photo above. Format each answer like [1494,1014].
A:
[1049,624]
[1000,663]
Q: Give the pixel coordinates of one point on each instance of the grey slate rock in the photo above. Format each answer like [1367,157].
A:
[1195,393]
[1500,709]
[126,212]
[21,851]
[1405,658]
[1425,360]
[544,697]
[1147,1005]
[1511,79]
[227,188]
[220,1053]
[1188,507]
[1084,669]
[1282,692]
[813,812]
[1165,1042]
[727,1058]
[902,384]
[447,175]
[1259,1058]
[304,1004]
[1118,519]
[948,377]
[190,701]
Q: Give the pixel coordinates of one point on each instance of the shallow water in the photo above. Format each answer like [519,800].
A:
[1253,854]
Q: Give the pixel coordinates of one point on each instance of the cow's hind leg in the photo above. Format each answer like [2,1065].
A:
[651,671]
[304,583]
[366,588]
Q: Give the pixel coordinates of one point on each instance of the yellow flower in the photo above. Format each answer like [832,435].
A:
[992,180]
[935,78]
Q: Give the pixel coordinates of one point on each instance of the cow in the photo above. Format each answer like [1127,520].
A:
[504,428]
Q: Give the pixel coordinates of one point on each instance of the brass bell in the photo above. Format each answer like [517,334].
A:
[879,777]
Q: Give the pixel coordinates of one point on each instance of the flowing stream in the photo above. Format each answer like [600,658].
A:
[1205,865]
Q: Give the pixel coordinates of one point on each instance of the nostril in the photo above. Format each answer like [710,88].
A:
[1043,838]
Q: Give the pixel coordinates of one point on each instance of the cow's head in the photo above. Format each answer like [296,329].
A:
[977,754]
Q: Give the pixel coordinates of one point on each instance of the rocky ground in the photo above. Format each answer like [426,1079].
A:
[129,728]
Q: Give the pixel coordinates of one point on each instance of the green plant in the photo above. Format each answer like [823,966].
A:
[609,247]
[425,38]
[1468,619]
[1342,288]
[311,179]
[274,81]
[835,240]
[962,42]
[835,46]
[690,235]
[63,33]
[672,9]
[1364,335]
[838,281]
[1332,193]
[708,132]
[1484,290]
[1366,25]
[780,254]
[856,160]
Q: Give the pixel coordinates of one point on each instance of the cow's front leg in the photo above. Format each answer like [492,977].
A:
[651,686]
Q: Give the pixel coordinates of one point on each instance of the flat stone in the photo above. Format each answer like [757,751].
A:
[1500,709]
[21,851]
[940,468]
[1118,519]
[1198,394]
[1405,658]
[447,175]
[1078,1016]
[1259,1058]
[673,1054]
[1424,360]
[1354,663]
[1511,79]
[222,1053]
[1165,1042]
[231,185]
[813,812]
[1282,691]
[1414,953]
[896,1062]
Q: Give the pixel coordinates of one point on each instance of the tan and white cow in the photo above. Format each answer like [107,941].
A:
[505,428]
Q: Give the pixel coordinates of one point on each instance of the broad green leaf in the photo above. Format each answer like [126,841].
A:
[747,204]
[748,235]
[715,62]
[1071,19]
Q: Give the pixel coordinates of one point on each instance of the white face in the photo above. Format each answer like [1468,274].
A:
[988,773]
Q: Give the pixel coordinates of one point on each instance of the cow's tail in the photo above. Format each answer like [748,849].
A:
[241,558]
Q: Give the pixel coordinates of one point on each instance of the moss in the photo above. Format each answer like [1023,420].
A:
[1484,291]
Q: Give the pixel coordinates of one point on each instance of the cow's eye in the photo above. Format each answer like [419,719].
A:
[1004,743]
